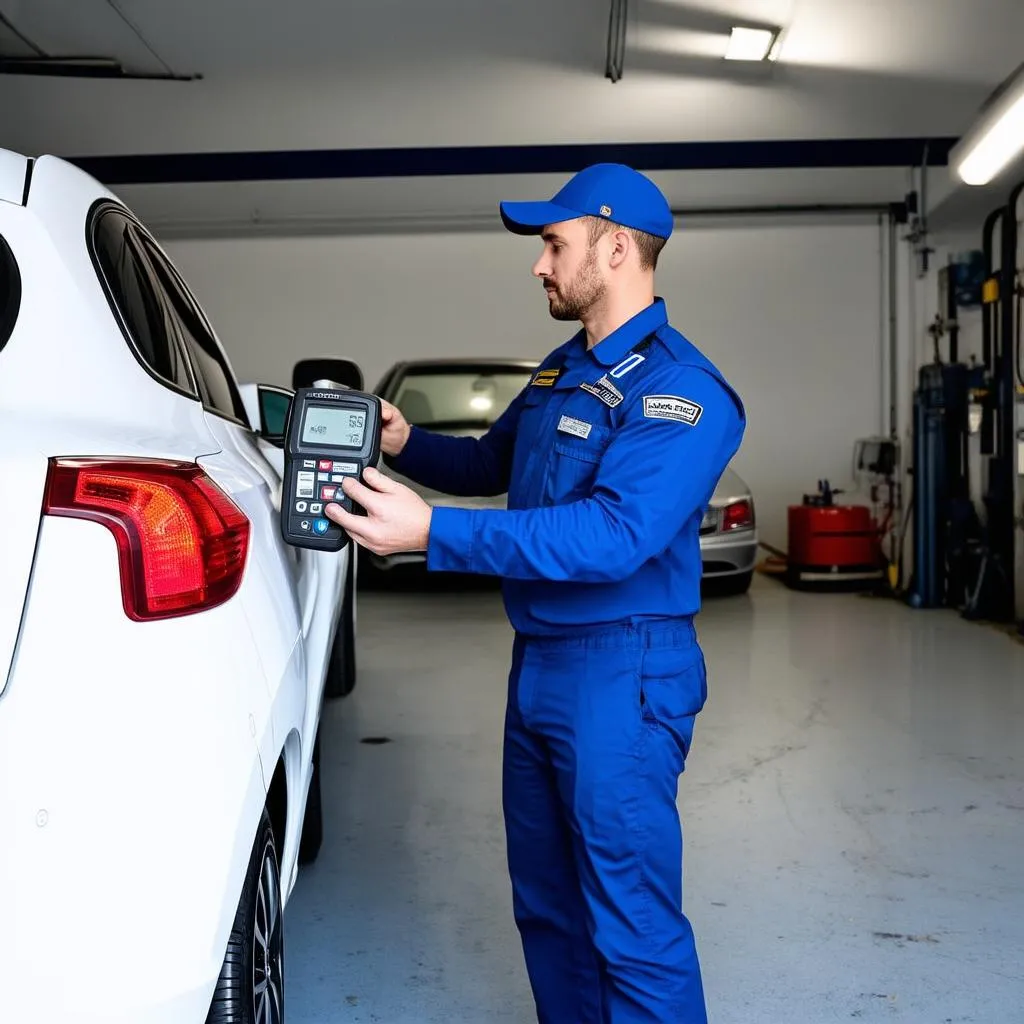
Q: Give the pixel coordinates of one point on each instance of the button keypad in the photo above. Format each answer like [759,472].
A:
[304,486]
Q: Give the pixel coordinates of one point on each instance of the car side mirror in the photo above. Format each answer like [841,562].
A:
[344,371]
[274,405]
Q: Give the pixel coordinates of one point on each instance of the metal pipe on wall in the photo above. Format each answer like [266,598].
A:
[989,325]
[1016,429]
[883,335]
[995,590]
[1007,392]
[1008,332]
[893,336]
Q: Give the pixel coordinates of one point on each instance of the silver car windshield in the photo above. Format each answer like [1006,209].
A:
[461,399]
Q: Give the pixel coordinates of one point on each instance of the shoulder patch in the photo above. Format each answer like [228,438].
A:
[605,390]
[672,407]
[546,378]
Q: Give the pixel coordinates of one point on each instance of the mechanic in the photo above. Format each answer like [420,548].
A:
[609,456]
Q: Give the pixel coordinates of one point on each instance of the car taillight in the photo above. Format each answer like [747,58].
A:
[181,541]
[738,516]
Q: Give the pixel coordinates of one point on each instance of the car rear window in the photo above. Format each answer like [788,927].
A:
[10,291]
[127,279]
[465,397]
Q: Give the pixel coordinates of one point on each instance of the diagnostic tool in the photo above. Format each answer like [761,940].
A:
[332,433]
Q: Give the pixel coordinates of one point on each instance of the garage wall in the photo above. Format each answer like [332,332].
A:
[791,312]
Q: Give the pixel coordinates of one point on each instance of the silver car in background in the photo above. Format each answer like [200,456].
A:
[463,397]
[728,537]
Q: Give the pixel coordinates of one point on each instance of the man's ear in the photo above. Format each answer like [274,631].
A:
[621,245]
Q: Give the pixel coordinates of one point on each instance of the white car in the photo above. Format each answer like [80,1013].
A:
[164,655]
[464,397]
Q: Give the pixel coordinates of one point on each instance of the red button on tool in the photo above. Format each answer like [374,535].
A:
[325,465]
[327,493]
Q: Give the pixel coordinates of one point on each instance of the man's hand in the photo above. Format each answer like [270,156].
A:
[394,429]
[397,518]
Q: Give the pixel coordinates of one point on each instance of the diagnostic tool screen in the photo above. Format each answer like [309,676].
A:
[337,427]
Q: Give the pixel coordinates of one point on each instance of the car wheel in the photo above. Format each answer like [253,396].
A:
[730,586]
[313,821]
[250,989]
[341,666]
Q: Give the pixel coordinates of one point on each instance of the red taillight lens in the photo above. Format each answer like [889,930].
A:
[738,516]
[181,542]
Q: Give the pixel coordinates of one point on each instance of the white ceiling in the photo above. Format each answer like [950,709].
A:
[324,74]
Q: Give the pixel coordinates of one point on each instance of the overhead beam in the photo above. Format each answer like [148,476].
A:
[83,67]
[297,165]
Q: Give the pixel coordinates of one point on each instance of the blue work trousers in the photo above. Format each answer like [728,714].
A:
[597,731]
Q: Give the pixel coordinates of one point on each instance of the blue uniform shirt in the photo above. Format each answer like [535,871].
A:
[609,457]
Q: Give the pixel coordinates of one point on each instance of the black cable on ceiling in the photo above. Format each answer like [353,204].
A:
[6,22]
[616,58]
[46,65]
[138,33]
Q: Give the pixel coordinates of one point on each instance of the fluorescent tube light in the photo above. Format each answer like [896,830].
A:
[996,138]
[750,44]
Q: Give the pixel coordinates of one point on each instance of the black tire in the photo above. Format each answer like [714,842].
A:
[729,586]
[250,989]
[341,666]
[313,823]
[370,577]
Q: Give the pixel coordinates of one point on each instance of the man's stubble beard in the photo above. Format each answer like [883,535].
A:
[575,300]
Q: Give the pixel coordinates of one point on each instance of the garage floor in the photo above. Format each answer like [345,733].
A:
[853,806]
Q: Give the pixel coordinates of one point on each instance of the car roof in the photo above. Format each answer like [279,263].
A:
[730,487]
[471,364]
[526,364]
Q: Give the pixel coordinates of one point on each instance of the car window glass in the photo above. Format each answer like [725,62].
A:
[138,303]
[10,292]
[462,398]
[220,390]
[274,408]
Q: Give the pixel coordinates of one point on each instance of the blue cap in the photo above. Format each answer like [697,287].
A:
[612,191]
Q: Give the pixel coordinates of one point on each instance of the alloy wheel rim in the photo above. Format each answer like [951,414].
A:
[268,945]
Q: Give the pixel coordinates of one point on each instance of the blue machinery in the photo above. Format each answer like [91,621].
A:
[943,518]
[961,559]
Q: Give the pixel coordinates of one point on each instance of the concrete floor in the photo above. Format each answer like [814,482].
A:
[853,811]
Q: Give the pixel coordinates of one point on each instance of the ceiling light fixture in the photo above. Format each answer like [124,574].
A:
[752,44]
[995,138]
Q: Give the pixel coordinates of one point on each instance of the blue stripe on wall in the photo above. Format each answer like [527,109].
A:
[452,160]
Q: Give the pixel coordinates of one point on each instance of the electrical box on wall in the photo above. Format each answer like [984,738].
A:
[968,278]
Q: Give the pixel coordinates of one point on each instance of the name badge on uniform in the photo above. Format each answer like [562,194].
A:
[546,378]
[605,390]
[570,425]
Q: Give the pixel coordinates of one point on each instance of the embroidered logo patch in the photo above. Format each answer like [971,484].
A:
[633,360]
[605,390]
[671,407]
[546,378]
[570,425]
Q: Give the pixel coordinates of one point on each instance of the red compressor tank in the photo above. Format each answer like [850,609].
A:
[830,543]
